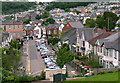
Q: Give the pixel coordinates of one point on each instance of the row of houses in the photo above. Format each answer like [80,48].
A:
[97,41]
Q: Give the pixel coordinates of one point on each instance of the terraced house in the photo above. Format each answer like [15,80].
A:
[107,47]
[96,41]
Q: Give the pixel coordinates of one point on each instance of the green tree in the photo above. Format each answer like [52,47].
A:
[108,20]
[27,21]
[50,20]
[93,61]
[90,23]
[38,17]
[10,59]
[76,11]
[67,10]
[15,44]
[63,56]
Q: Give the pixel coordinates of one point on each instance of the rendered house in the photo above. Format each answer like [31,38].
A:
[109,50]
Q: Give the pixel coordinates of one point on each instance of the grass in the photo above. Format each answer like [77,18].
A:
[103,77]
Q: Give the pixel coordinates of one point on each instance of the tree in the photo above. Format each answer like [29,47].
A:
[10,59]
[108,20]
[67,10]
[76,11]
[90,23]
[27,21]
[11,56]
[63,56]
[93,61]
[15,44]
[50,20]
[38,17]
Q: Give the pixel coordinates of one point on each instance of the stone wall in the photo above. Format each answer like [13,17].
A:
[51,72]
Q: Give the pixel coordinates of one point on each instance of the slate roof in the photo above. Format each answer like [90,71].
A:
[112,41]
[76,24]
[114,44]
[104,35]
[53,26]
[11,22]
[70,35]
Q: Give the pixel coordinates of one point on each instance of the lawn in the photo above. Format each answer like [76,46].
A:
[103,77]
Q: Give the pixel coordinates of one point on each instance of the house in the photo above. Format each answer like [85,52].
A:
[78,38]
[108,50]
[5,38]
[22,17]
[37,32]
[72,24]
[52,29]
[28,30]
[13,27]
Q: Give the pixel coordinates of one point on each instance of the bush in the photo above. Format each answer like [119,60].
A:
[110,71]
[79,76]
[42,76]
[10,78]
[25,78]
[66,73]
[101,72]
[93,74]
[36,78]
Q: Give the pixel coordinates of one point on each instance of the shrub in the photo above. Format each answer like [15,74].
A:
[66,73]
[101,72]
[42,76]
[25,78]
[79,76]
[36,78]
[110,71]
[93,74]
[10,78]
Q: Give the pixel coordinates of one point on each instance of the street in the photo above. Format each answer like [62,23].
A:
[36,62]
[32,60]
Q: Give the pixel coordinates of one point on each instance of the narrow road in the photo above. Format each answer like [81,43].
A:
[36,62]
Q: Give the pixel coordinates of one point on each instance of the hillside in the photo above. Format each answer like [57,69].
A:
[14,7]
[64,5]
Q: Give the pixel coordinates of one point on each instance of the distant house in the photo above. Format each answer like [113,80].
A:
[23,17]
[13,27]
[38,32]
[28,30]
[52,29]
[72,24]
